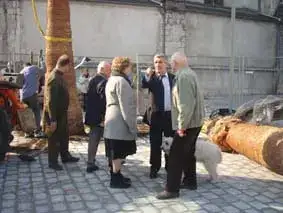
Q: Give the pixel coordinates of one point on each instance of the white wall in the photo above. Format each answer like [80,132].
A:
[10,26]
[251,4]
[109,30]
[32,40]
[100,30]
[198,1]
[268,7]
[199,34]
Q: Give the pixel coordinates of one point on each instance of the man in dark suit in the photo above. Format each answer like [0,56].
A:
[159,84]
[95,111]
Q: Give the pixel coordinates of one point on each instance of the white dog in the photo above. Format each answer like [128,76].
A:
[206,152]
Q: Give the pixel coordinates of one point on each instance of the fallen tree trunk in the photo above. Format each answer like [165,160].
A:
[262,144]
[217,130]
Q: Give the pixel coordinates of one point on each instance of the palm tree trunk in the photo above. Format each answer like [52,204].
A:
[58,26]
[262,144]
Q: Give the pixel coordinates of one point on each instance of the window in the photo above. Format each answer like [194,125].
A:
[214,3]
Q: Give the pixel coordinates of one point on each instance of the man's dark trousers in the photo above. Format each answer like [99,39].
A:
[59,140]
[182,158]
[160,124]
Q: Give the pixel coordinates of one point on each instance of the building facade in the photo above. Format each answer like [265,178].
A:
[124,27]
[200,28]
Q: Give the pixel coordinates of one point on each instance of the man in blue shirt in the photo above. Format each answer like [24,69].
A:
[28,94]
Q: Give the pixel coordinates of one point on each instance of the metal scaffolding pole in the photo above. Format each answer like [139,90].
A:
[163,14]
[138,84]
[232,58]
[162,10]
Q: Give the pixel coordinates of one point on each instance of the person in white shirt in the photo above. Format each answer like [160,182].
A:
[158,115]
[82,85]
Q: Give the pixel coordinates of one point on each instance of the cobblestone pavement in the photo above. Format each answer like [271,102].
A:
[244,186]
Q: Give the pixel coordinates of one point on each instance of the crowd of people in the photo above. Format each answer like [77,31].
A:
[176,110]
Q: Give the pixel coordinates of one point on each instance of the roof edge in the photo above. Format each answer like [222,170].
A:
[241,13]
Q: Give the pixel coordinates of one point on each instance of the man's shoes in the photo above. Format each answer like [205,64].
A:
[189,187]
[165,195]
[190,184]
[69,159]
[2,156]
[153,173]
[92,168]
[56,167]
[26,158]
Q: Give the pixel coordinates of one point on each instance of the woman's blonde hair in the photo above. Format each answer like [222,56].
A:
[119,64]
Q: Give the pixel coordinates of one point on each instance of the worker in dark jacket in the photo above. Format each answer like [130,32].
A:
[158,115]
[56,115]
[95,111]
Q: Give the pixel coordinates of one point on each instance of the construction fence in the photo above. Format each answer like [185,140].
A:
[252,78]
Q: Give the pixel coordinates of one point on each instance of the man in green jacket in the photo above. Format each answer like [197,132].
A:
[56,115]
[187,120]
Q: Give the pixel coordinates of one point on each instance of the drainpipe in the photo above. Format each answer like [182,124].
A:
[278,59]
[163,15]
[163,11]
[278,64]
[259,5]
[232,58]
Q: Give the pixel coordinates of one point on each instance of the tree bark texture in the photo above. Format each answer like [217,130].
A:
[58,25]
[262,144]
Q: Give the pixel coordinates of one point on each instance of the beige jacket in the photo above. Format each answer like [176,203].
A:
[187,101]
[120,116]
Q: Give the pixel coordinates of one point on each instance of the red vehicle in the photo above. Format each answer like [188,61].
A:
[9,100]
[9,105]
